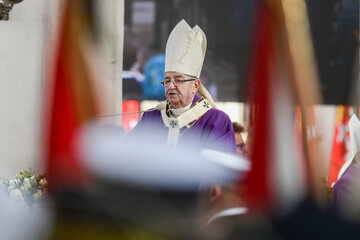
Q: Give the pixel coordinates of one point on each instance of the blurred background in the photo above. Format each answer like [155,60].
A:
[229,29]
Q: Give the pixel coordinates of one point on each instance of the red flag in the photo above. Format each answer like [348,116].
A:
[341,141]
[258,181]
[276,180]
[130,120]
[72,102]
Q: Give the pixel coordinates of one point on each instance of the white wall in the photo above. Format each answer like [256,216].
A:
[20,75]
[24,39]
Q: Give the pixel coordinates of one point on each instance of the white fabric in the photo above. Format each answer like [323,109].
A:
[185,50]
[161,106]
[228,160]
[204,92]
[354,129]
[178,111]
[175,124]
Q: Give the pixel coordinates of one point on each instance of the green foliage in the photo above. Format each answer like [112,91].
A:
[26,187]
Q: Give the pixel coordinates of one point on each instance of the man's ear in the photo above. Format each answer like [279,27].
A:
[197,84]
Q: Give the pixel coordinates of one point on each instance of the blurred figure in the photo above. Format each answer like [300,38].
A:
[239,141]
[346,198]
[221,210]
[132,77]
[189,114]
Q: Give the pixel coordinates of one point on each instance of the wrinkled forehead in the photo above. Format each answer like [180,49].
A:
[177,75]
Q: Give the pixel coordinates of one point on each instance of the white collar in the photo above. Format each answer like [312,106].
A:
[175,112]
[174,124]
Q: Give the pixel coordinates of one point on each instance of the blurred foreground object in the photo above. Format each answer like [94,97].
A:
[18,221]
[241,148]
[71,101]
[346,200]
[281,174]
[141,190]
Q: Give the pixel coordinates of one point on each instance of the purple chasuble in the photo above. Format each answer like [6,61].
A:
[346,190]
[213,130]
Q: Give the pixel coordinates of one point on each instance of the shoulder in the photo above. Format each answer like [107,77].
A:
[216,119]
[148,120]
[217,114]
[151,113]
[149,117]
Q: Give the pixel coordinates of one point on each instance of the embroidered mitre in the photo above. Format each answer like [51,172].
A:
[185,50]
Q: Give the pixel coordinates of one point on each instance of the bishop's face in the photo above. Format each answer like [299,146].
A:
[178,92]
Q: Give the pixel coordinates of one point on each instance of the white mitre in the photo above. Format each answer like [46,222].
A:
[185,53]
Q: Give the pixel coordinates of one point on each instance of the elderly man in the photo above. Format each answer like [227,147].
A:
[189,115]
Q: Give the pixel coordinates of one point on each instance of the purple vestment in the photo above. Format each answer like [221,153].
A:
[213,130]
[346,190]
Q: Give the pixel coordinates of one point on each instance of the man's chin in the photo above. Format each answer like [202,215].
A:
[172,99]
[172,102]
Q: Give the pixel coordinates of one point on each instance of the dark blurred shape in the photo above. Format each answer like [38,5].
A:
[131,89]
[335,31]
[130,49]
[118,211]
[345,43]
[306,221]
[239,141]
[309,222]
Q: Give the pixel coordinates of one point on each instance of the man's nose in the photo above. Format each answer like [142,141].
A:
[171,85]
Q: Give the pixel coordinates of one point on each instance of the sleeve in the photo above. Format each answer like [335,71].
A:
[221,135]
[340,196]
[346,193]
[149,125]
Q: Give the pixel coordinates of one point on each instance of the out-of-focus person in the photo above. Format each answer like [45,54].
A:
[346,197]
[189,114]
[239,140]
